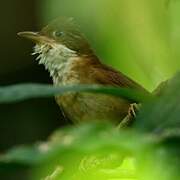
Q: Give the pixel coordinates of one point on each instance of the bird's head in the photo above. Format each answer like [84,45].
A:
[62,32]
[57,43]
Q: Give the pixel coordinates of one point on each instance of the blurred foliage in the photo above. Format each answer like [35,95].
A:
[101,151]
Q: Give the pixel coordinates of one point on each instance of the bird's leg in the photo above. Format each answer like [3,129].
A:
[133,109]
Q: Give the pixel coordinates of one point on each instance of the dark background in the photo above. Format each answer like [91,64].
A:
[34,119]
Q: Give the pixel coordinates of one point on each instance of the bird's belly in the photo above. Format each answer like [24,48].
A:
[81,107]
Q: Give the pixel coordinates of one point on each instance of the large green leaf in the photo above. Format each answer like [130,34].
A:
[94,151]
[87,138]
[81,151]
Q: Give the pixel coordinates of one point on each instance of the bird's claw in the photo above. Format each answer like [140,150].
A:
[133,109]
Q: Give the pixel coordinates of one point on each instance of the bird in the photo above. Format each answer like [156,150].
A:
[66,53]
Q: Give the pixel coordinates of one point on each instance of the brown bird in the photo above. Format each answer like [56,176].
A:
[67,55]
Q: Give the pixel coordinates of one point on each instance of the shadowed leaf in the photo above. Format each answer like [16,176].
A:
[15,93]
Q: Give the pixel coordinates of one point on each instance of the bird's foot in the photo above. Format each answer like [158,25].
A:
[133,109]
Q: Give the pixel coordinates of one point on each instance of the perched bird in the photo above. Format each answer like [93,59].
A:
[67,55]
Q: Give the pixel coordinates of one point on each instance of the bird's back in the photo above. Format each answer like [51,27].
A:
[88,106]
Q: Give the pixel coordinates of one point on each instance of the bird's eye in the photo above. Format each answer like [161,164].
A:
[58,33]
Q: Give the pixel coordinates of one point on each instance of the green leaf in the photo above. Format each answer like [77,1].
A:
[162,114]
[93,151]
[87,151]
[87,138]
[16,93]
[20,156]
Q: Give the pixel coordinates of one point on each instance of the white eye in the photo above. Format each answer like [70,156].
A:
[58,33]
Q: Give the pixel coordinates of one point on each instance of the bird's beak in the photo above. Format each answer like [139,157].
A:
[35,37]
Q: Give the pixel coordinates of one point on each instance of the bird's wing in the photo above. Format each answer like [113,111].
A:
[108,76]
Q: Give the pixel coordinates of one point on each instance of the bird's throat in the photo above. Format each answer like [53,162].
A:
[54,57]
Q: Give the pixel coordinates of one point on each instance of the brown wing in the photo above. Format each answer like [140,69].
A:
[108,76]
